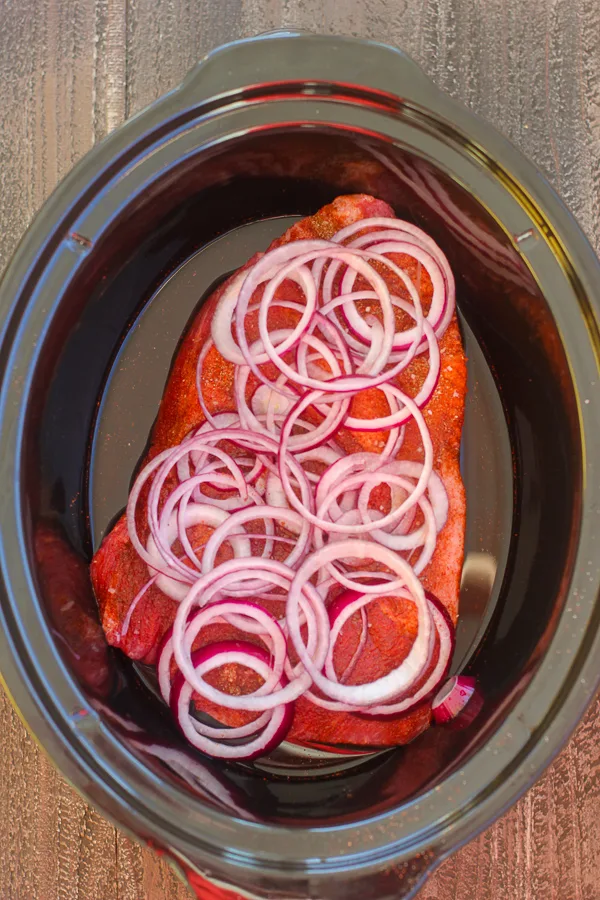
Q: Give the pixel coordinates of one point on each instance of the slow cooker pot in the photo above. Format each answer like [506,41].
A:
[92,305]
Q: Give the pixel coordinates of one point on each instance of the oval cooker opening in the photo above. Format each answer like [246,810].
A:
[97,387]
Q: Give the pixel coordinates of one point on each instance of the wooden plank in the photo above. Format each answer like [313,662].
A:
[70,71]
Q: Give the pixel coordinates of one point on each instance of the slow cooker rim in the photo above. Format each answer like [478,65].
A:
[20,269]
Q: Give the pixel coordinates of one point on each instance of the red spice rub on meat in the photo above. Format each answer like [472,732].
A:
[118,573]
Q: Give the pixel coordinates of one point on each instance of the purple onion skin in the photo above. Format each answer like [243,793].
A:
[279,736]
[341,602]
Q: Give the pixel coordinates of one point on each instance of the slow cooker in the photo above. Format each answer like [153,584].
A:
[92,306]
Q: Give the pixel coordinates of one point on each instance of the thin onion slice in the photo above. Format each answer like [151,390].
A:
[404,675]
[206,738]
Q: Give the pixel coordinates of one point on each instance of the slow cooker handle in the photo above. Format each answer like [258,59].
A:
[315,61]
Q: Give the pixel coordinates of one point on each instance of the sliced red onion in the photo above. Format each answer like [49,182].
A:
[453,698]
[184,635]
[353,481]
[261,444]
[266,401]
[373,522]
[410,698]
[359,326]
[245,284]
[399,360]
[324,455]
[446,635]
[319,367]
[275,538]
[266,269]
[222,319]
[195,514]
[230,502]
[221,420]
[235,505]
[364,634]
[402,340]
[424,536]
[404,675]
[165,653]
[402,415]
[157,528]
[136,490]
[335,610]
[210,740]
[408,229]
[315,435]
[238,520]
[250,618]
[435,487]
[163,664]
[222,653]
[359,263]
[275,495]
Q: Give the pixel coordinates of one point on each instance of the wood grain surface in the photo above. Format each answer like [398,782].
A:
[70,71]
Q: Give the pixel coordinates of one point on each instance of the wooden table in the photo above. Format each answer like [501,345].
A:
[70,71]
